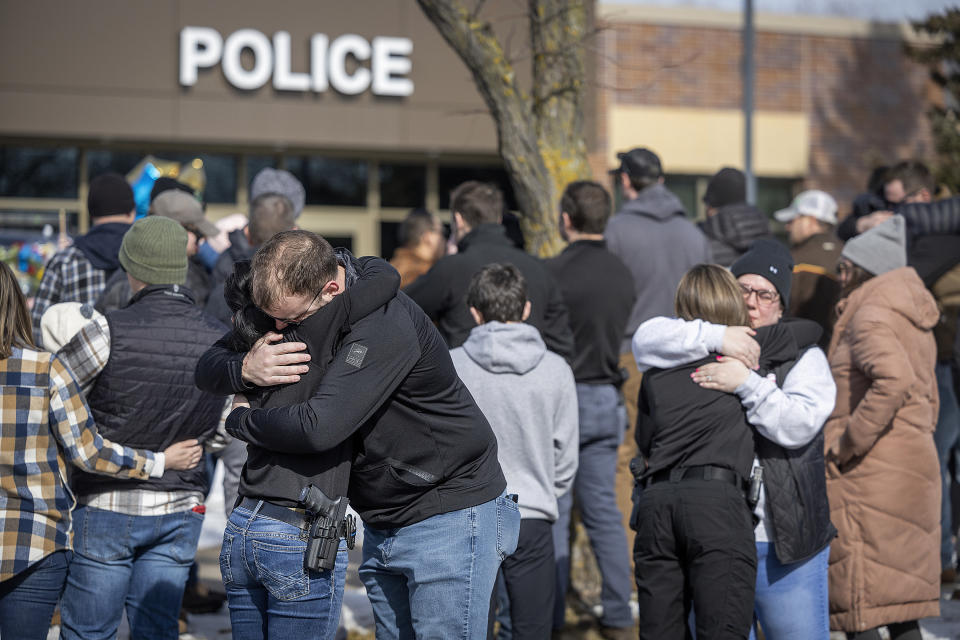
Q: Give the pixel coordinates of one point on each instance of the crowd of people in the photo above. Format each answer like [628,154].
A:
[774,427]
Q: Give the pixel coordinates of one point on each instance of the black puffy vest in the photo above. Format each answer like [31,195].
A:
[145,396]
[795,482]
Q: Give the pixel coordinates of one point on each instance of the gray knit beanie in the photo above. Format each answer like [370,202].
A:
[881,249]
[154,251]
[271,180]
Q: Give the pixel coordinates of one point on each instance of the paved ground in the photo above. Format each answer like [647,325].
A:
[356,621]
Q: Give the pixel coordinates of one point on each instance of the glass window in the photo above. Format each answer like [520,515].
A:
[685,188]
[340,241]
[450,177]
[403,185]
[389,238]
[220,169]
[774,194]
[331,181]
[38,172]
[25,224]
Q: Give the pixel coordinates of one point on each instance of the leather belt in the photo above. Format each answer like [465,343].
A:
[291,516]
[700,472]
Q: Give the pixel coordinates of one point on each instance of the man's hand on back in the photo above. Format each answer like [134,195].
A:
[270,362]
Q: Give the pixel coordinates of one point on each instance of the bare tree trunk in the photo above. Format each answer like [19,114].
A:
[540,136]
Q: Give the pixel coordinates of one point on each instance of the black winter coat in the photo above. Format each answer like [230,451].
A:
[442,291]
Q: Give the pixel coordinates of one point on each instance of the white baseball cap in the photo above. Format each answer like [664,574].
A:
[815,203]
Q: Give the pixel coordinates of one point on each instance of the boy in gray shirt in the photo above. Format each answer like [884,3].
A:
[528,395]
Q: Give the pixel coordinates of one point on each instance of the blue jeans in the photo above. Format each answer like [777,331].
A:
[138,561]
[946,437]
[602,422]
[434,578]
[269,592]
[791,600]
[28,599]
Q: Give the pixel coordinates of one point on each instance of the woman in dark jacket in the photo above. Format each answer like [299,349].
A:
[695,539]
[787,411]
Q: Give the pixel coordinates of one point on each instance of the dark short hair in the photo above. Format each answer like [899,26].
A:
[270,214]
[293,263]
[588,205]
[498,292]
[417,223]
[914,176]
[477,202]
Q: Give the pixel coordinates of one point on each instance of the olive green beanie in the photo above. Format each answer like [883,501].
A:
[154,251]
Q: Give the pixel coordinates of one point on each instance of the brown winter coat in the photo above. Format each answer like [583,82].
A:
[885,493]
[410,265]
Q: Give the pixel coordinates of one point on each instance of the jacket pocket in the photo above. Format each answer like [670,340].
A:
[395,481]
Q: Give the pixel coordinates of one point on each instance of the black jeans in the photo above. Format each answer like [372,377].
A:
[694,544]
[530,577]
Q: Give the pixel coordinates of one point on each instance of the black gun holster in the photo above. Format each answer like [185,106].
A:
[328,522]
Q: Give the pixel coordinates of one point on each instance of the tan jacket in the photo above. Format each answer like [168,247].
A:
[410,265]
[885,494]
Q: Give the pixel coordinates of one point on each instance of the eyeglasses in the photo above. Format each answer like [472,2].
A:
[767,296]
[299,318]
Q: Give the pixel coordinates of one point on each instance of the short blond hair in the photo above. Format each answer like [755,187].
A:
[710,292]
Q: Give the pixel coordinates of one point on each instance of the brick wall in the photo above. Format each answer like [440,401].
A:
[864,100]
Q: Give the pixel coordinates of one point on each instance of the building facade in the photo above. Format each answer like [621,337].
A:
[372,110]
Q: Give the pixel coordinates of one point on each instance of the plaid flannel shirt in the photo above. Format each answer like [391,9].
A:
[68,277]
[44,425]
[87,354]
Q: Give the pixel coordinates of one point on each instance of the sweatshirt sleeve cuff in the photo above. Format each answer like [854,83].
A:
[235,370]
[750,389]
[234,422]
[159,464]
[713,336]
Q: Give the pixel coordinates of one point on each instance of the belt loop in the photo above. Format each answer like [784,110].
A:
[253,516]
[676,474]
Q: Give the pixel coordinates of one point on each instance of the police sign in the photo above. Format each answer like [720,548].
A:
[388,57]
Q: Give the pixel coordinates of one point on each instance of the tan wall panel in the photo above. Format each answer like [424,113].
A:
[109,70]
[701,141]
[57,114]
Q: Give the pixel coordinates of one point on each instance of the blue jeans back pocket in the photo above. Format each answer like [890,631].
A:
[103,535]
[280,568]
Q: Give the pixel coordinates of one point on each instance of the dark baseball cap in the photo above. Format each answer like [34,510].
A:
[639,163]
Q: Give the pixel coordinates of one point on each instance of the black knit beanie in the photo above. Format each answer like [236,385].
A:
[768,258]
[109,195]
[727,186]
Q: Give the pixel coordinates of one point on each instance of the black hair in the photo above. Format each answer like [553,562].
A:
[249,322]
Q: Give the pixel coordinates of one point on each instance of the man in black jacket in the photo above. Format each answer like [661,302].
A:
[732,225]
[481,239]
[599,292]
[134,542]
[425,480]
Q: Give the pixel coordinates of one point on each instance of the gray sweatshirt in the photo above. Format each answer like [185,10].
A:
[530,399]
[654,238]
